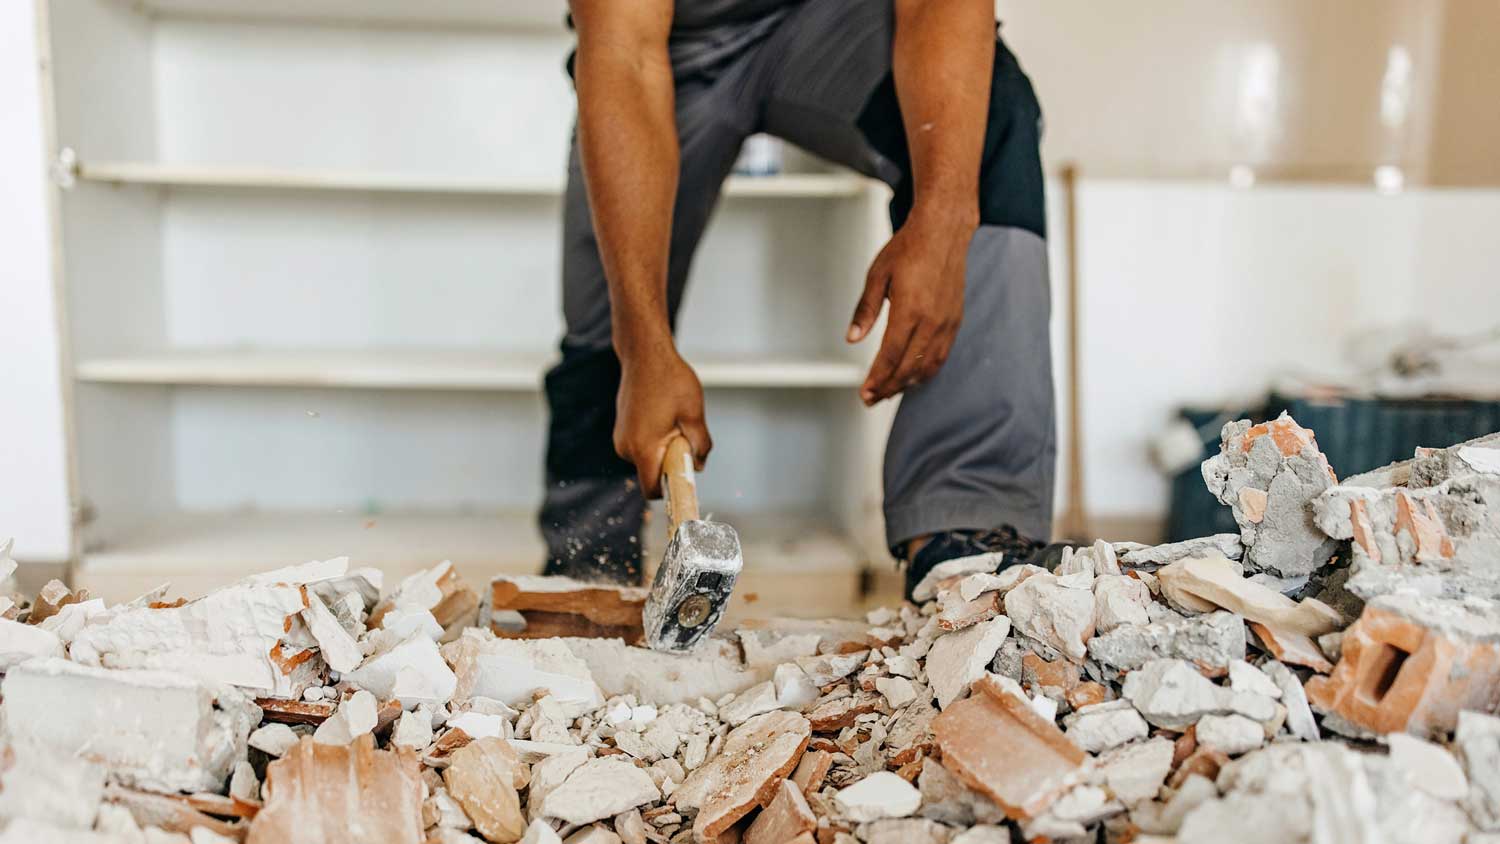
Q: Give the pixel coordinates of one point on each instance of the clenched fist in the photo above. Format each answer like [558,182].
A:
[659,396]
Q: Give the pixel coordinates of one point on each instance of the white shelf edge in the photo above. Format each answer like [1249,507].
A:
[788,185]
[459,371]
[188,541]
[524,16]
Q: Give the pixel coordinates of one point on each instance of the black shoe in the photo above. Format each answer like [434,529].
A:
[953,544]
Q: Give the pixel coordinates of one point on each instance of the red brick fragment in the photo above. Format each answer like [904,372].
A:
[997,744]
[1398,673]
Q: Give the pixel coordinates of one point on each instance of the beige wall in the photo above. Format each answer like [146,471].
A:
[1324,90]
[1466,130]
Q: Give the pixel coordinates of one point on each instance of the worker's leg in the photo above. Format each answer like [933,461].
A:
[973,449]
[591,516]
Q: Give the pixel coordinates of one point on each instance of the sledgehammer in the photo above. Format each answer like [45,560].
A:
[701,564]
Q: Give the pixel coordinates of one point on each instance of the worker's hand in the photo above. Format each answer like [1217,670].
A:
[659,397]
[921,270]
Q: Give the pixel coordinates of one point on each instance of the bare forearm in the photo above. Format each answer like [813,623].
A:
[943,56]
[628,140]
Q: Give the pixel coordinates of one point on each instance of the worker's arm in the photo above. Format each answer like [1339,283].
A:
[627,132]
[942,60]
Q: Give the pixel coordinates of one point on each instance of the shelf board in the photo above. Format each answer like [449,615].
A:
[546,15]
[470,370]
[789,558]
[786,185]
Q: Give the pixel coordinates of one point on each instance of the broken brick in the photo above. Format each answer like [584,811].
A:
[562,606]
[755,757]
[787,817]
[1292,647]
[1411,665]
[340,794]
[997,744]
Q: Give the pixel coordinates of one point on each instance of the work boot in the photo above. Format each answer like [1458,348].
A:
[953,544]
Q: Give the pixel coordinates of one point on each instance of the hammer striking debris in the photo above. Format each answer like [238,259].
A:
[701,564]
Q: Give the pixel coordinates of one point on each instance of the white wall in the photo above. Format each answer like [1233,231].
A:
[1197,293]
[33,466]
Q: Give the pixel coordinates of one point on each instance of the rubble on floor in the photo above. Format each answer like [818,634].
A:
[1330,673]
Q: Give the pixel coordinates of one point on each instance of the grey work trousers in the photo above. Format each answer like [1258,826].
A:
[974,447]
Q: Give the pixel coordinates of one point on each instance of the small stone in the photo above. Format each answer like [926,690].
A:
[1104,726]
[273,739]
[1244,677]
[413,730]
[539,832]
[483,777]
[1232,734]
[756,700]
[898,691]
[355,716]
[1135,772]
[1429,768]
[879,795]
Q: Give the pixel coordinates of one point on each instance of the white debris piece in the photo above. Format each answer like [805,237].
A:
[898,691]
[335,644]
[1134,772]
[1477,741]
[413,729]
[926,589]
[41,785]
[539,832]
[245,635]
[1057,611]
[1232,734]
[513,670]
[1119,599]
[879,795]
[1171,693]
[20,642]
[794,689]
[1244,677]
[355,716]
[959,658]
[756,700]
[1103,726]
[599,789]
[1429,768]
[413,672]
[305,573]
[478,724]
[154,730]
[273,739]
[71,618]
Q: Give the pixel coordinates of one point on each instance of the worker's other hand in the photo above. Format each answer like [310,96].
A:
[659,397]
[921,270]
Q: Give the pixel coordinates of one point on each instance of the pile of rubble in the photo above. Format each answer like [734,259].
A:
[1329,674]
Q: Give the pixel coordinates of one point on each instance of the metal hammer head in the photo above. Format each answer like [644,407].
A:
[692,585]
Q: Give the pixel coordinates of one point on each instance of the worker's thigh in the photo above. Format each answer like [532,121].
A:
[824,81]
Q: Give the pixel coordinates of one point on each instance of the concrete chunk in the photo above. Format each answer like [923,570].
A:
[1211,641]
[1056,611]
[599,789]
[1269,474]
[243,635]
[153,730]
[958,659]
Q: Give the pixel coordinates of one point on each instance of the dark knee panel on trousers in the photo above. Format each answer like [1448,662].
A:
[1011,191]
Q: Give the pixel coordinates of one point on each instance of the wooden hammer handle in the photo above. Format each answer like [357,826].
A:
[678,482]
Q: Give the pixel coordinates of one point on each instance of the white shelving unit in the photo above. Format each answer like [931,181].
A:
[311,252]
